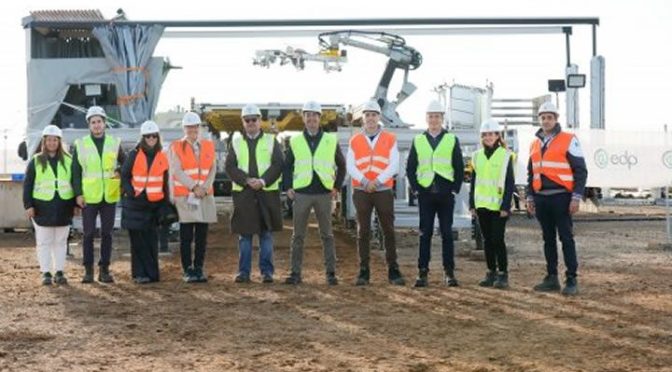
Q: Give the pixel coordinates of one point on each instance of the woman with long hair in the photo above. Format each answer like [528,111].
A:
[144,181]
[492,187]
[49,201]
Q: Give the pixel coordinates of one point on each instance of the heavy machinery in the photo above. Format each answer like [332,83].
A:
[401,57]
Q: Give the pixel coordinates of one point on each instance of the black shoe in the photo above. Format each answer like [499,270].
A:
[489,279]
[421,280]
[267,278]
[502,281]
[104,275]
[242,278]
[363,277]
[571,287]
[394,275]
[46,278]
[449,279]
[332,279]
[88,274]
[293,279]
[142,280]
[60,279]
[188,276]
[549,284]
[201,276]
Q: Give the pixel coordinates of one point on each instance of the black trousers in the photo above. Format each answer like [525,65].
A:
[145,253]
[89,216]
[197,233]
[433,205]
[552,211]
[493,227]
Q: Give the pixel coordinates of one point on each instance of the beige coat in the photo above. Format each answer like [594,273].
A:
[206,212]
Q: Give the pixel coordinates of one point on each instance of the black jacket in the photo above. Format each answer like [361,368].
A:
[440,185]
[509,183]
[56,212]
[137,212]
[315,186]
[578,165]
[77,167]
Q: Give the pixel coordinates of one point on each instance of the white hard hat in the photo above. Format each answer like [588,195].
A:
[548,107]
[312,106]
[371,105]
[52,130]
[435,106]
[149,127]
[490,125]
[191,118]
[95,111]
[250,110]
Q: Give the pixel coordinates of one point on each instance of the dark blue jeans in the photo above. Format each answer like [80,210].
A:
[433,205]
[265,253]
[89,216]
[552,211]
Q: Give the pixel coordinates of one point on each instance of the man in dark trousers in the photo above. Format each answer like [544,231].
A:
[254,165]
[556,179]
[435,171]
[96,165]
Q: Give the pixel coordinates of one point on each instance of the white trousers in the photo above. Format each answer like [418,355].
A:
[52,245]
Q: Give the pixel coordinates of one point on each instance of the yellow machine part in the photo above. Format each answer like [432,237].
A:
[228,120]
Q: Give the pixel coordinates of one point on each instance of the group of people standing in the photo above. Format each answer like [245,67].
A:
[311,171]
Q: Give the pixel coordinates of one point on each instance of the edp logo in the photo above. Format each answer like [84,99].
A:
[603,159]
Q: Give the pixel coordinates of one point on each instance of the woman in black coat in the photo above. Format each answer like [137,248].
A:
[144,181]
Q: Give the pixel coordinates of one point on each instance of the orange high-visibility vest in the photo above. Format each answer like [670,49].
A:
[553,164]
[372,161]
[199,169]
[149,180]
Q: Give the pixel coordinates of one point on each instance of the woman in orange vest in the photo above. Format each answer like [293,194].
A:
[192,168]
[144,180]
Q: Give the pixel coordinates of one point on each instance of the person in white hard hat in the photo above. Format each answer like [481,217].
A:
[144,181]
[313,176]
[193,166]
[254,165]
[97,160]
[372,162]
[435,170]
[556,177]
[50,202]
[492,185]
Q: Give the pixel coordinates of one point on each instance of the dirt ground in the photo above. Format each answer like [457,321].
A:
[621,321]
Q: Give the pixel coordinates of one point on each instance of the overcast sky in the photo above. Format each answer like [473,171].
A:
[634,37]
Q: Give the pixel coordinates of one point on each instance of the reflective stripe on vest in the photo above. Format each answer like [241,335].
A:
[437,161]
[98,179]
[372,161]
[150,181]
[47,184]
[197,170]
[490,178]
[263,155]
[553,164]
[322,162]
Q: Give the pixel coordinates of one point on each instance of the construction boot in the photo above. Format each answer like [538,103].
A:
[242,278]
[449,279]
[421,280]
[104,275]
[88,274]
[571,287]
[502,281]
[363,277]
[60,279]
[549,284]
[489,279]
[46,278]
[331,278]
[394,275]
